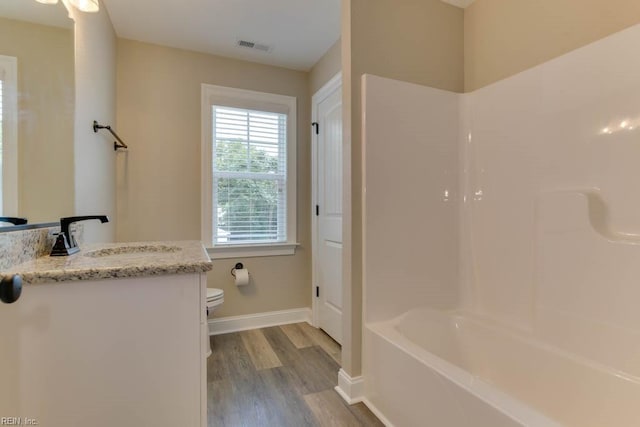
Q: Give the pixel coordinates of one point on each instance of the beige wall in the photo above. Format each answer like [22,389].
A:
[94,158]
[328,66]
[419,41]
[46,113]
[159,177]
[504,37]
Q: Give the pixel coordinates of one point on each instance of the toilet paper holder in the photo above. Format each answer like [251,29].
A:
[238,266]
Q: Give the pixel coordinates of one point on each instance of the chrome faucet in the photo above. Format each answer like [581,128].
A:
[66,242]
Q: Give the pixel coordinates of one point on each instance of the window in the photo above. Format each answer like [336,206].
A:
[8,136]
[1,126]
[248,171]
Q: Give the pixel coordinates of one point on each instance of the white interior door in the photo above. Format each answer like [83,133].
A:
[327,106]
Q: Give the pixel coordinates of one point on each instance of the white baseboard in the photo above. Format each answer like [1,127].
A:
[224,325]
[351,389]
[377,413]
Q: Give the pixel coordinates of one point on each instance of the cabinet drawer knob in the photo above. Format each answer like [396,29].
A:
[10,288]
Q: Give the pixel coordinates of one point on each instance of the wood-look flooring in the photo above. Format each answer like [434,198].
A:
[280,376]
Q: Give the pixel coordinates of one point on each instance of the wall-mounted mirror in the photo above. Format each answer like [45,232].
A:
[37,93]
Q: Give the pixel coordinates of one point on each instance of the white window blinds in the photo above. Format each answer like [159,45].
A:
[249,176]
[8,136]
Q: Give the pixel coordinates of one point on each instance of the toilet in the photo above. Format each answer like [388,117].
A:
[215,298]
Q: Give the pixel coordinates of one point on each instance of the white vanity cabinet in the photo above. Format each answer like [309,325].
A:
[104,353]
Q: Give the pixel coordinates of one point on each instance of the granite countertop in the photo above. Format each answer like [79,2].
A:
[117,260]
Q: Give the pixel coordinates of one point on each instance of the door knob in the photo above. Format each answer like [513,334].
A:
[10,288]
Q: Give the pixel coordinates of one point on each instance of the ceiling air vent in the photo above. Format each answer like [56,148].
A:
[253,45]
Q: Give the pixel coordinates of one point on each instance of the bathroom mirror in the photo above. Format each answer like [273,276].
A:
[37,92]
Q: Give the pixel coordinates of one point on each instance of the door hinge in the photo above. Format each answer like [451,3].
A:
[317,127]
[317,210]
[317,291]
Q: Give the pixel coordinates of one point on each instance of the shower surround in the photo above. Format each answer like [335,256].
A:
[502,246]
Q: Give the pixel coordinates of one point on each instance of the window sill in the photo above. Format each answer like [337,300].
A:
[251,251]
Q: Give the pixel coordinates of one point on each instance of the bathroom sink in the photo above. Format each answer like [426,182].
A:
[132,250]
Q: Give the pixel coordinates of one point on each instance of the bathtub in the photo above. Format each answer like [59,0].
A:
[450,369]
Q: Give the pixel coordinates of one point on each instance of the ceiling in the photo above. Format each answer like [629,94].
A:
[460,3]
[21,10]
[298,32]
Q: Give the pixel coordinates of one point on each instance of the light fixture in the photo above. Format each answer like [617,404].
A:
[47,1]
[86,5]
